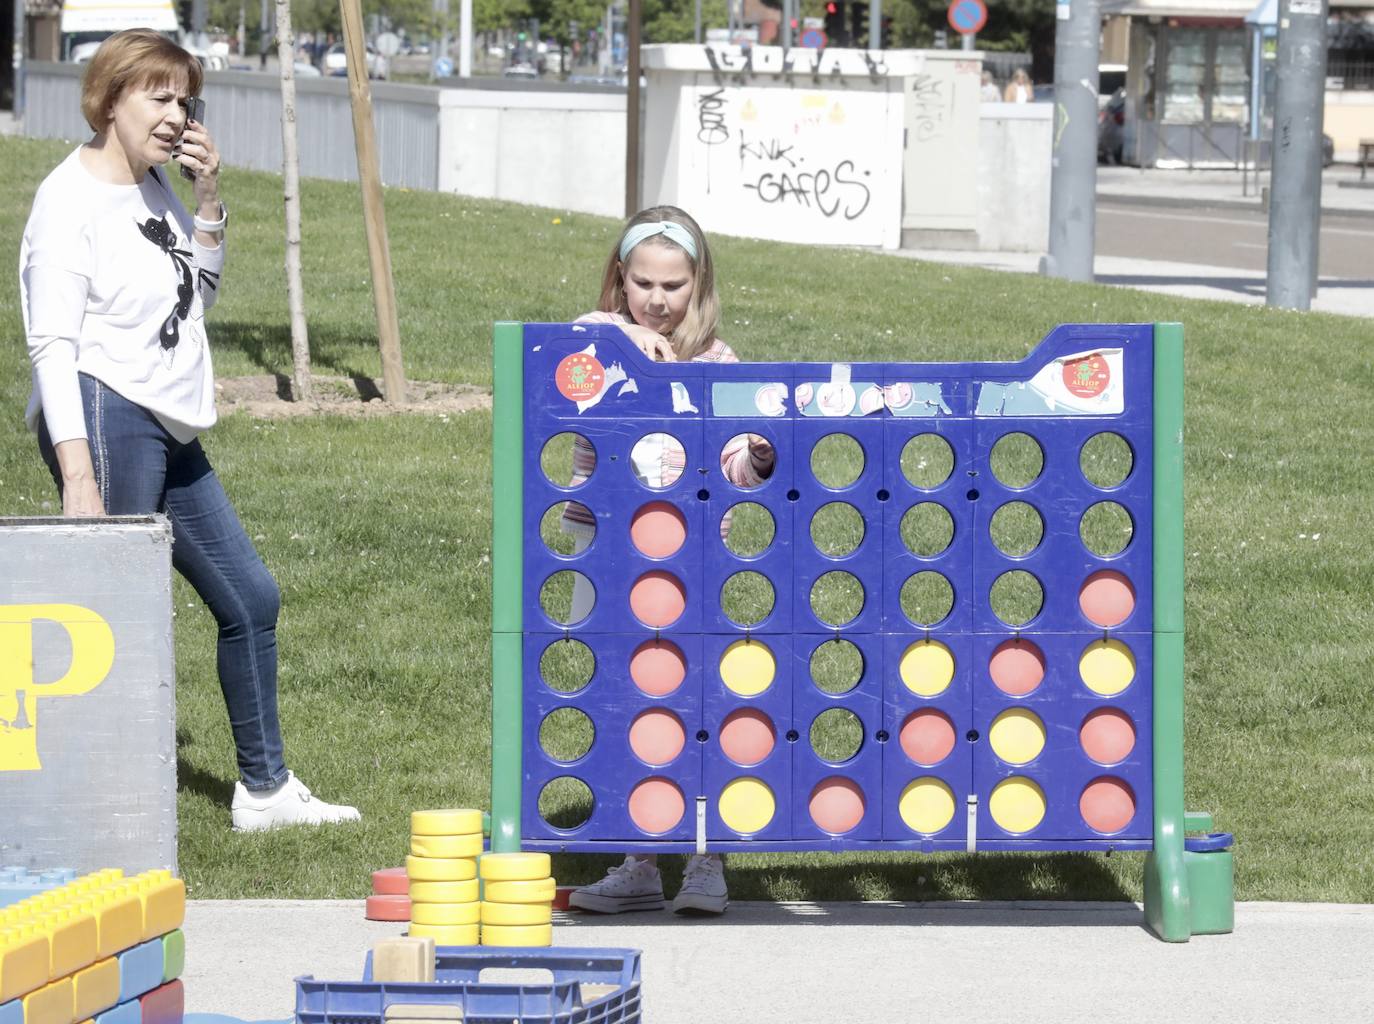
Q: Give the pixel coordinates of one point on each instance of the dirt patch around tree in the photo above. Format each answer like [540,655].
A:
[268,396]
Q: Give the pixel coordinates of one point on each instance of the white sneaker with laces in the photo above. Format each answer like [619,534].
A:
[703,886]
[632,885]
[291,803]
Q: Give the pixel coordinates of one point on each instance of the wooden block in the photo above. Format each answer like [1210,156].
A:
[95,988]
[403,958]
[424,1011]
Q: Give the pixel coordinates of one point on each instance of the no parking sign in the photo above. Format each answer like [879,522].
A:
[967,17]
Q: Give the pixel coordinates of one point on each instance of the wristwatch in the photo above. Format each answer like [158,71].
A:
[211,226]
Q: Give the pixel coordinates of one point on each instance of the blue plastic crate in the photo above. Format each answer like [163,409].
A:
[458,971]
[19,883]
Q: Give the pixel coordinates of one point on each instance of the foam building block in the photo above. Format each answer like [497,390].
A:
[403,959]
[164,903]
[51,1004]
[95,988]
[164,1005]
[173,955]
[12,1012]
[24,964]
[140,969]
[123,1013]
[119,924]
[17,883]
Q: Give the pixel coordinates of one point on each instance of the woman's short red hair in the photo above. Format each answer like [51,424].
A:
[132,59]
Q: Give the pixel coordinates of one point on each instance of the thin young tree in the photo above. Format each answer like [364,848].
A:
[291,193]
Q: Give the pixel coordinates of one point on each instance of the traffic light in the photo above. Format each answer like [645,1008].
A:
[886,32]
[836,27]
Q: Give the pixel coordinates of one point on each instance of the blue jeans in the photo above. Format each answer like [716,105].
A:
[142,469]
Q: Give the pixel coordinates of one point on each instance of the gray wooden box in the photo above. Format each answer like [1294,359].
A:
[88,768]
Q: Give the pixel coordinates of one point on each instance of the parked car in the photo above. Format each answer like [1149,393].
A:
[520,71]
[336,62]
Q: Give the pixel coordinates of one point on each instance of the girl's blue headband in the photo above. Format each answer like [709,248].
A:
[673,232]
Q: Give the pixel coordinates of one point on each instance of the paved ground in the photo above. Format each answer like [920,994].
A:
[850,962]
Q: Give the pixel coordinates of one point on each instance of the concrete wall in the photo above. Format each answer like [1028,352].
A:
[1015,149]
[1349,118]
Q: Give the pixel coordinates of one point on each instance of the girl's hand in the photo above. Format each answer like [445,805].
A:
[651,343]
[198,153]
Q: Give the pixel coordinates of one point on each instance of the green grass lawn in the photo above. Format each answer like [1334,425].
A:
[378,530]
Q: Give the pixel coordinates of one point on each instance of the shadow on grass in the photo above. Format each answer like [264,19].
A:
[191,779]
[268,346]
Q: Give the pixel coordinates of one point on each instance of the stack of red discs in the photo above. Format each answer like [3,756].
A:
[390,899]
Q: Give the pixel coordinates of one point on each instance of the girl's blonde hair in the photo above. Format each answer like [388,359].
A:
[698,329]
[132,59]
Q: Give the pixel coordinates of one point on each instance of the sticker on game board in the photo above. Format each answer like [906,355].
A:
[916,398]
[1081,384]
[582,379]
[682,398]
[748,398]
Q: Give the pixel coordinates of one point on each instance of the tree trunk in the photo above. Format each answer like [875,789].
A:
[291,193]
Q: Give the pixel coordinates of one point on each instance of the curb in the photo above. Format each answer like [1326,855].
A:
[1221,202]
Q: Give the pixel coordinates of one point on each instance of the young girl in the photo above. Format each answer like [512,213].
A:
[659,287]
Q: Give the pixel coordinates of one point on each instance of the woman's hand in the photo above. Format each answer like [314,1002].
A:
[199,155]
[80,492]
[651,343]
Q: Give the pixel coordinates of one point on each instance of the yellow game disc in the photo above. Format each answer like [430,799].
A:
[444,892]
[514,867]
[452,822]
[446,847]
[1017,804]
[1107,667]
[513,935]
[435,869]
[746,805]
[447,934]
[445,913]
[747,667]
[538,890]
[1017,736]
[927,668]
[508,914]
[926,805]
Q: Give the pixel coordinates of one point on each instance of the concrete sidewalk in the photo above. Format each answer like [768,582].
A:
[1341,189]
[843,962]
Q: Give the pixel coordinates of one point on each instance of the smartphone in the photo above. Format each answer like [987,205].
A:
[195,111]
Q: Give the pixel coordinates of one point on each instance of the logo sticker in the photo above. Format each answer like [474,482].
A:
[1087,377]
[579,377]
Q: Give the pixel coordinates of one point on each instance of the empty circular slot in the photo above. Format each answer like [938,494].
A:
[567,459]
[1016,597]
[1017,736]
[657,736]
[837,529]
[837,461]
[559,521]
[836,735]
[658,667]
[658,529]
[566,803]
[745,457]
[747,736]
[556,597]
[1106,529]
[927,736]
[837,666]
[1016,460]
[1106,667]
[1017,804]
[927,461]
[566,734]
[1107,804]
[837,597]
[926,598]
[1107,598]
[656,805]
[1107,735]
[837,805]
[926,805]
[746,805]
[1016,667]
[567,665]
[927,529]
[658,599]
[747,598]
[927,668]
[747,529]
[747,667]
[1016,528]
[658,460]
[1106,460]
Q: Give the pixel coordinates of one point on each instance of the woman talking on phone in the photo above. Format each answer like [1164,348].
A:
[115,277]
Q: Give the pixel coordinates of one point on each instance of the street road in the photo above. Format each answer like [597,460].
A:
[1225,237]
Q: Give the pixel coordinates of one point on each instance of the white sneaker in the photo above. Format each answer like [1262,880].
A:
[633,885]
[703,886]
[288,804]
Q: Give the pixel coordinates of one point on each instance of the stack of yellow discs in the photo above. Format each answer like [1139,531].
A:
[442,871]
[517,899]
